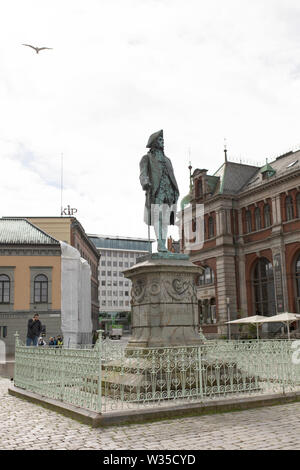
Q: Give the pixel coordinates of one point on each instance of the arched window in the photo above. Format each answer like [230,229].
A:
[267,215]
[248,222]
[298,205]
[199,188]
[257,219]
[297,273]
[211,231]
[289,209]
[207,277]
[264,291]
[41,289]
[4,289]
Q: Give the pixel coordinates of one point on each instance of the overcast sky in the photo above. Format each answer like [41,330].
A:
[122,69]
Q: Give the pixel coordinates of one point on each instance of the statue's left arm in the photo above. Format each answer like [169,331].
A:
[144,173]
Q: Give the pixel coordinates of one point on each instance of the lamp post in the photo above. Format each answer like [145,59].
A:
[228,318]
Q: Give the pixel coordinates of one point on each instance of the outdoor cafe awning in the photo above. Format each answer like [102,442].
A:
[255,319]
[285,317]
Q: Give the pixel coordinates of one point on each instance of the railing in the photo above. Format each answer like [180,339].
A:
[109,377]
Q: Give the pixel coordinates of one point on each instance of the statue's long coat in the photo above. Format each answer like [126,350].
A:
[151,172]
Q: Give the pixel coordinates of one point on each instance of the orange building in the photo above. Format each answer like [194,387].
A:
[30,279]
[69,230]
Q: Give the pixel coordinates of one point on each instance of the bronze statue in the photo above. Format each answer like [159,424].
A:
[158,180]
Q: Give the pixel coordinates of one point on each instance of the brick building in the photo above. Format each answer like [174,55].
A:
[251,251]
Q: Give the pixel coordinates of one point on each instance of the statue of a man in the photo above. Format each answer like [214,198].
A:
[158,180]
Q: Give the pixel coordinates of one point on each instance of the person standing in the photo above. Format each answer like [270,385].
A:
[34,328]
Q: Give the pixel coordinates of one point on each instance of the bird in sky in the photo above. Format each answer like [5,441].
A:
[37,49]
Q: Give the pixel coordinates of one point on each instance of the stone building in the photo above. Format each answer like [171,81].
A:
[69,230]
[251,250]
[30,280]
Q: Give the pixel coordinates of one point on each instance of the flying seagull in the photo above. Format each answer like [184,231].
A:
[37,49]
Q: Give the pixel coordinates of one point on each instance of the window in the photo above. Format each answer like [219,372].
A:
[126,293]
[207,311]
[102,273]
[207,277]
[289,210]
[108,263]
[267,215]
[103,263]
[103,303]
[103,283]
[297,270]
[264,291]
[3,331]
[257,218]
[4,289]
[131,255]
[298,205]
[248,222]
[210,227]
[121,264]
[199,191]
[40,289]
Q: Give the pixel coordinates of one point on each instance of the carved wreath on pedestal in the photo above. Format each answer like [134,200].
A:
[167,290]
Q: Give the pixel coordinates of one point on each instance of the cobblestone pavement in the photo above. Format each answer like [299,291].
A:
[25,425]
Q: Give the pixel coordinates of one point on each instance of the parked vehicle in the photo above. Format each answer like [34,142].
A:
[116,332]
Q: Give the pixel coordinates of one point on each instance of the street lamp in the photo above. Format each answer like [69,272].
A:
[228,318]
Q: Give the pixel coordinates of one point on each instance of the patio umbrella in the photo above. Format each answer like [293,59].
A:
[255,319]
[285,317]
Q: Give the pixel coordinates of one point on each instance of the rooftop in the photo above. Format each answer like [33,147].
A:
[21,232]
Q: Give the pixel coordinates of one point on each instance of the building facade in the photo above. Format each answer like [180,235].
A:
[251,250]
[30,280]
[69,230]
[117,254]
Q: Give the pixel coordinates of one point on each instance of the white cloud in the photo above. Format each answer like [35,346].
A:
[120,70]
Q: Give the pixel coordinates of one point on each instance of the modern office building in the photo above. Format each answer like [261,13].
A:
[117,254]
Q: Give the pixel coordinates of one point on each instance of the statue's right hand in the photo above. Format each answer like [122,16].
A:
[147,186]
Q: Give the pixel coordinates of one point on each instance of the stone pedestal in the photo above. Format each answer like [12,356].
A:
[164,308]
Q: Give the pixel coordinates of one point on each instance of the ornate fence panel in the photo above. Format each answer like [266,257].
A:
[70,375]
[108,377]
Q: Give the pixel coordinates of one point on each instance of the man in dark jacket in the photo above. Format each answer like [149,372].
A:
[34,329]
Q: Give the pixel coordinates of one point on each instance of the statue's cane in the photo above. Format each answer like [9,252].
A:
[149,215]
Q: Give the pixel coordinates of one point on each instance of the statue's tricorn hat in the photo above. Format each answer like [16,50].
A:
[153,138]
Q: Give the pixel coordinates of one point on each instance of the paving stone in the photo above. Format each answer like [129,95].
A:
[27,426]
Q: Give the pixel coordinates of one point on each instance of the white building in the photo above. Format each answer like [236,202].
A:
[117,254]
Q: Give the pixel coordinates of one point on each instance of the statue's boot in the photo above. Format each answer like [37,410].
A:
[161,245]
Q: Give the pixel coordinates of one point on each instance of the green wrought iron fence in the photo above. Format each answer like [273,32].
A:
[110,377]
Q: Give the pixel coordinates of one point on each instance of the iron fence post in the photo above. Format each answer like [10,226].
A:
[200,371]
[99,359]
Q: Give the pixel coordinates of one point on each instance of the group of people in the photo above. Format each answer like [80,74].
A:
[53,341]
[34,334]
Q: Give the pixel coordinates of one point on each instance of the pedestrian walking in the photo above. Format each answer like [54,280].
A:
[34,328]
